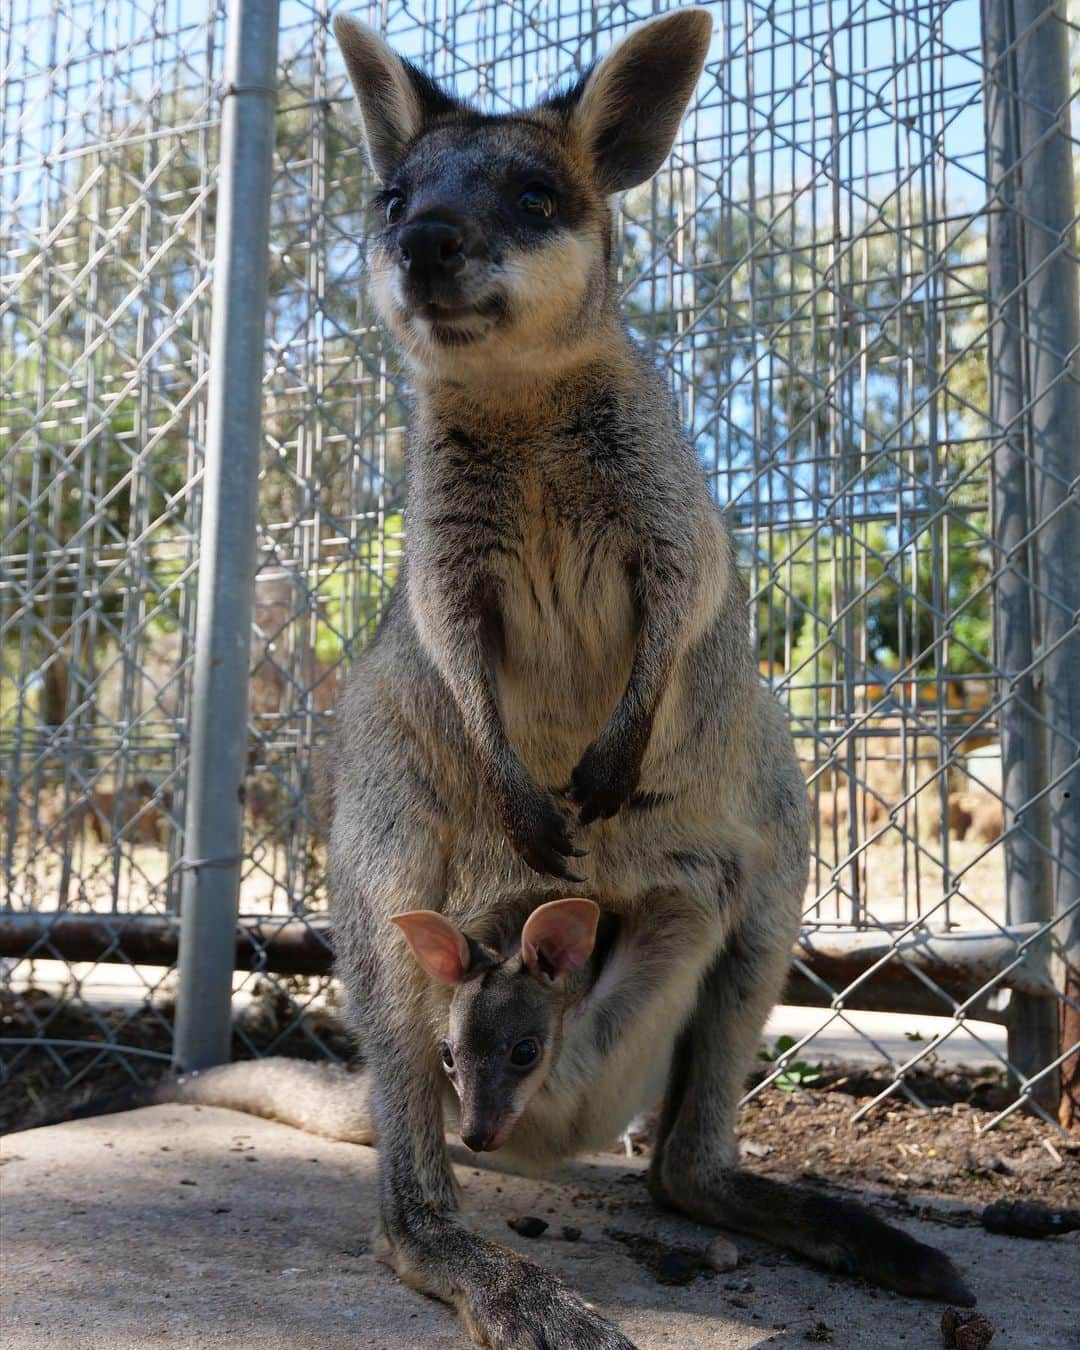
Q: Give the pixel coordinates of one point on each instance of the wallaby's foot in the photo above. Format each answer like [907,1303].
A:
[505,1301]
[526,1308]
[838,1234]
[539,829]
[605,777]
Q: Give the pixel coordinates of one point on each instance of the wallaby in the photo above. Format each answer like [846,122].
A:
[511,1010]
[560,702]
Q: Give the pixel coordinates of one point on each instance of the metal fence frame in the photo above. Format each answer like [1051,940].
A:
[922,956]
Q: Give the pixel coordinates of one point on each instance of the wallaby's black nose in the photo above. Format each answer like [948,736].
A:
[431,248]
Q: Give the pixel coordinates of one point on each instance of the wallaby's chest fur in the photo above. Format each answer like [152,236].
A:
[557,502]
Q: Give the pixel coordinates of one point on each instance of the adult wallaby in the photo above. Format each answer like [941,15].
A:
[560,700]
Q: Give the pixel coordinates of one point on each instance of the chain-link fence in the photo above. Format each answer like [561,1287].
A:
[858,268]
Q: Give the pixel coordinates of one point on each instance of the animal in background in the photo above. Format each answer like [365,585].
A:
[137,814]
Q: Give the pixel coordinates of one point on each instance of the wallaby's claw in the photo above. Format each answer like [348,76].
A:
[535,1310]
[548,863]
[604,778]
[600,806]
[540,831]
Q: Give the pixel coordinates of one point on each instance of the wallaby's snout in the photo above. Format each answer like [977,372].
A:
[431,253]
[432,250]
[484,1131]
[476,1140]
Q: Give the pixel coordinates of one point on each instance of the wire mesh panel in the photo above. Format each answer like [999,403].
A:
[108,116]
[812,270]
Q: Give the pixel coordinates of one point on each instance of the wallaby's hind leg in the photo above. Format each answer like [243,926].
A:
[695,1166]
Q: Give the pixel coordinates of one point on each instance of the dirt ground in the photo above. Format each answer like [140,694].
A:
[907,1153]
[40,1086]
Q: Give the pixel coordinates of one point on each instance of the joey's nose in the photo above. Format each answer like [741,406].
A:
[431,248]
[477,1140]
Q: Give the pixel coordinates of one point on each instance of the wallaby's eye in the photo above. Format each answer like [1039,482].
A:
[538,201]
[447,1055]
[395,205]
[525,1054]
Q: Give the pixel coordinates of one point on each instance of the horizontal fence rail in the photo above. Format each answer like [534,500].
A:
[858,271]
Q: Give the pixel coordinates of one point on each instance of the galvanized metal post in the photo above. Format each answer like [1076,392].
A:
[227,540]
[1053,358]
[1032,1021]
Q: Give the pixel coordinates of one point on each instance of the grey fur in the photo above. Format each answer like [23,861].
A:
[564,668]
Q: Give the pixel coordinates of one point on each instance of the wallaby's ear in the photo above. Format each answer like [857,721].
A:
[441,949]
[627,110]
[559,937]
[395,98]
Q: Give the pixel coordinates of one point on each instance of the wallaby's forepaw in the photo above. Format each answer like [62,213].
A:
[606,775]
[527,1309]
[539,830]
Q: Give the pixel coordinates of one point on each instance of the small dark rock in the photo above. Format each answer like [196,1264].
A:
[965,1329]
[528,1225]
[666,1264]
[721,1254]
[570,1233]
[820,1332]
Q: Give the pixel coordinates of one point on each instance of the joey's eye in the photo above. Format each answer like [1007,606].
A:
[538,201]
[525,1054]
[447,1055]
[395,205]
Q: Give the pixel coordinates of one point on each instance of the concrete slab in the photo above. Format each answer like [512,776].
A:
[200,1228]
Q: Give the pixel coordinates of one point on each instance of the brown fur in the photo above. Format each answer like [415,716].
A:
[833,807]
[973,815]
[137,814]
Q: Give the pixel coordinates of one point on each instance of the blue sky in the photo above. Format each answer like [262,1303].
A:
[904,84]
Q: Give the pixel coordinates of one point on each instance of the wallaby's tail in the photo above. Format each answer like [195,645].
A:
[837,1233]
[318,1098]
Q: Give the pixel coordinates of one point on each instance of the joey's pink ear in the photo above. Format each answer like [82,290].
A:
[559,937]
[441,949]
